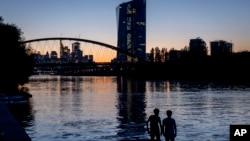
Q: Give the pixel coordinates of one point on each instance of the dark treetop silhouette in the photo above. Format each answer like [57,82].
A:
[16,62]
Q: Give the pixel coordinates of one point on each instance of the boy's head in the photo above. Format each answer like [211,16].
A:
[156,111]
[169,113]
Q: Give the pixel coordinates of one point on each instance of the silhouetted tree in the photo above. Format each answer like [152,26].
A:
[164,55]
[157,54]
[16,64]
[151,55]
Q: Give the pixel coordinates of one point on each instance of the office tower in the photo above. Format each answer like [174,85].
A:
[131,22]
[75,47]
[64,53]
[221,48]
[197,48]
[76,54]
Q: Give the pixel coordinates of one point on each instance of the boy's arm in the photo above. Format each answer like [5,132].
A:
[147,124]
[162,128]
[175,128]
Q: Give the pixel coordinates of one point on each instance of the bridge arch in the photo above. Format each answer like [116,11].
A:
[83,40]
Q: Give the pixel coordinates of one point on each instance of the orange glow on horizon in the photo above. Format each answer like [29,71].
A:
[104,54]
[100,53]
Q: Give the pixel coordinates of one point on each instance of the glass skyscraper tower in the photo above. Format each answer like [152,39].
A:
[131,22]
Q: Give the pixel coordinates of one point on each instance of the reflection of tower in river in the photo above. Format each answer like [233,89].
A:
[131,106]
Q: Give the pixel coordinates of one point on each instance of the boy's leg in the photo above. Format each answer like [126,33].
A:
[152,135]
[158,137]
[167,138]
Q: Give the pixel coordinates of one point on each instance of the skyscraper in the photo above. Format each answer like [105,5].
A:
[221,48]
[197,48]
[131,22]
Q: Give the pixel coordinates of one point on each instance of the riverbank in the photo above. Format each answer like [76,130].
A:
[9,126]
[228,69]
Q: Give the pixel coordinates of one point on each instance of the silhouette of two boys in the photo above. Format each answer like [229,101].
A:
[167,128]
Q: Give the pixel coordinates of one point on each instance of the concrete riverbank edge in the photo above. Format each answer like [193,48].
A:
[10,129]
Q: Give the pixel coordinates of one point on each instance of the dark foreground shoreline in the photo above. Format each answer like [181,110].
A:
[9,126]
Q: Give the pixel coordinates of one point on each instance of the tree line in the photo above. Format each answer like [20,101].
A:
[16,62]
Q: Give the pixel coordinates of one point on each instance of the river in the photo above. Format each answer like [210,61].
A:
[109,108]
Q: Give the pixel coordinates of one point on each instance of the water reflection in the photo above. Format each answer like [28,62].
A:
[159,86]
[131,108]
[203,109]
[116,108]
[70,91]
[23,113]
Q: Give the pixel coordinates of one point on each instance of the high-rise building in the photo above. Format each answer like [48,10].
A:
[131,22]
[64,53]
[221,48]
[197,48]
[76,54]
[75,47]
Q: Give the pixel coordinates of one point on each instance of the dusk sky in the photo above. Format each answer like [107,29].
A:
[170,23]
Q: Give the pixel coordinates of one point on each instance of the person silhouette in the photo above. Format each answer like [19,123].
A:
[169,129]
[155,125]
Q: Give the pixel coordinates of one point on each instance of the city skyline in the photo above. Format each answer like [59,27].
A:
[170,24]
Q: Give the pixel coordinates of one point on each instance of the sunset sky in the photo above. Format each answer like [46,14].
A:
[170,23]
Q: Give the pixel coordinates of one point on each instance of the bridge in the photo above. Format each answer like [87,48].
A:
[57,66]
[87,41]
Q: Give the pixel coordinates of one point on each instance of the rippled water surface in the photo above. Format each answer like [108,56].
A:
[90,108]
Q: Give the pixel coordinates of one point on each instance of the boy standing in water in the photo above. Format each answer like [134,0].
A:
[155,125]
[169,127]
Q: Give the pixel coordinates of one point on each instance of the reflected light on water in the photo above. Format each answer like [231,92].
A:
[116,108]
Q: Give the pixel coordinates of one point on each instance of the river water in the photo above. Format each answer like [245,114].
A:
[109,108]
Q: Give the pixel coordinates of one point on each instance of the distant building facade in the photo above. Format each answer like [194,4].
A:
[221,48]
[64,53]
[197,48]
[53,57]
[75,56]
[131,23]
